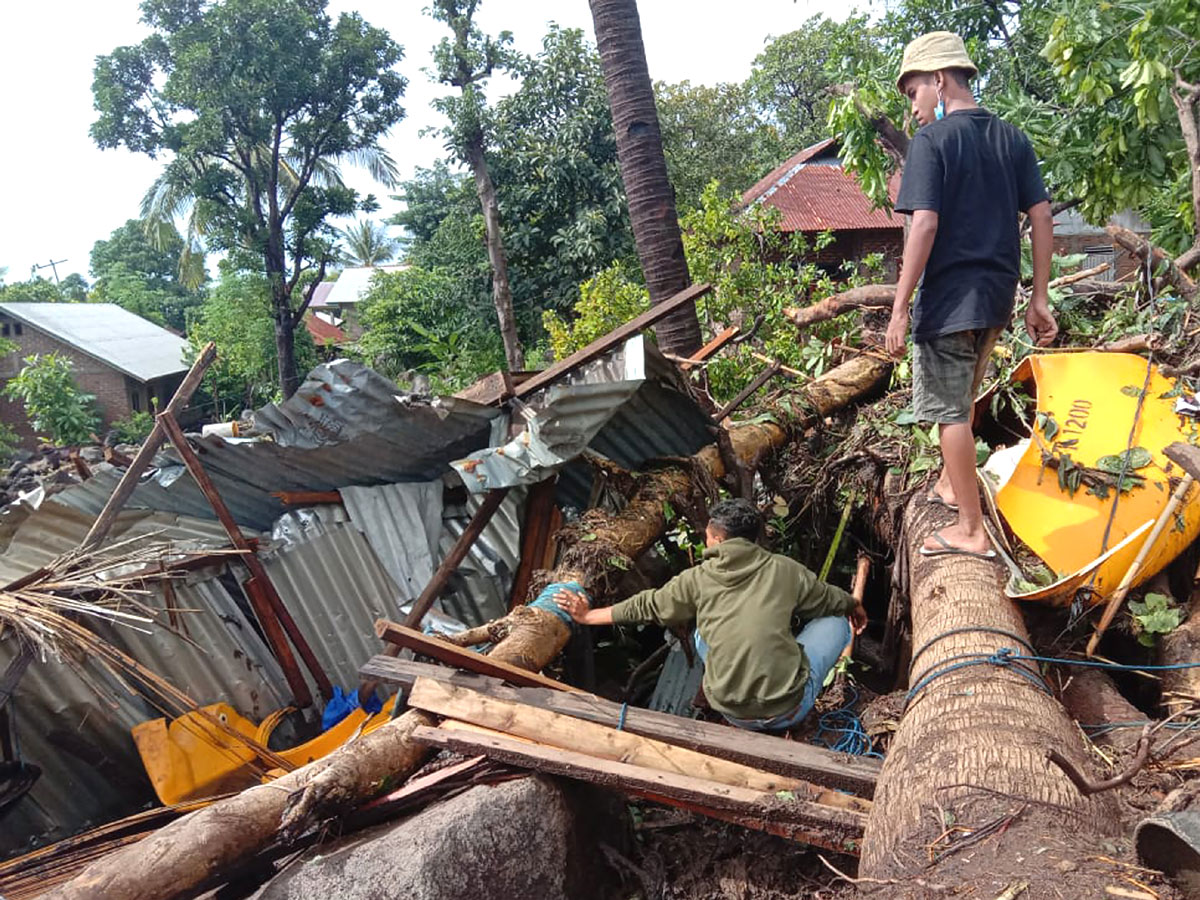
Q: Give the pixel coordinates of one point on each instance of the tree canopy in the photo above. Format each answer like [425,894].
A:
[255,103]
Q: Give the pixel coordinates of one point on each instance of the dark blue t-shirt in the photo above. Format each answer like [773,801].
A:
[977,173]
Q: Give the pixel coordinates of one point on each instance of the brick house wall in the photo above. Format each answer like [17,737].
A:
[117,395]
[852,246]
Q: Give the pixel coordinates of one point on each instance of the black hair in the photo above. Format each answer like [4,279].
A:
[962,76]
[736,519]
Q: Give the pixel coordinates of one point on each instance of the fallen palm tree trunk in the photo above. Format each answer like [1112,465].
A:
[868,296]
[970,753]
[195,850]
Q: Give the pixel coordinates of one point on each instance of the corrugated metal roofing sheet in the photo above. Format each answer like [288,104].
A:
[113,335]
[91,772]
[628,405]
[814,193]
[335,588]
[346,425]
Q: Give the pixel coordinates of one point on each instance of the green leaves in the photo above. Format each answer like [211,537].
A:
[1152,616]
[1128,460]
[58,409]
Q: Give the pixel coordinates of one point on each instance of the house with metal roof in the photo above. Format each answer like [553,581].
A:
[127,362]
[813,193]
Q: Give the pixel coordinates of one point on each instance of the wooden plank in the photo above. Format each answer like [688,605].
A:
[856,774]
[452,655]
[603,344]
[306,498]
[569,733]
[823,826]
[709,349]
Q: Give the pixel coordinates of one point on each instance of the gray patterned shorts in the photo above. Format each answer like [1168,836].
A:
[947,372]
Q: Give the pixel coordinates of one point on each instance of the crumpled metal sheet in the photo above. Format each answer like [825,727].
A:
[479,589]
[628,405]
[56,528]
[347,425]
[91,771]
[402,523]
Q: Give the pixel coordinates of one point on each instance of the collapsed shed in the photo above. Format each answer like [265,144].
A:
[348,493]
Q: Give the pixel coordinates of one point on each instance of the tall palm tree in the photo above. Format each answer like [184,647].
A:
[644,168]
[368,243]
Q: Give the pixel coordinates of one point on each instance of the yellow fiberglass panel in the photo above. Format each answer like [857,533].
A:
[1090,401]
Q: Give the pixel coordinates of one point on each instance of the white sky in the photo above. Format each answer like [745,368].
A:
[60,193]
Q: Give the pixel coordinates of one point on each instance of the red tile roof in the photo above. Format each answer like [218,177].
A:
[324,333]
[813,193]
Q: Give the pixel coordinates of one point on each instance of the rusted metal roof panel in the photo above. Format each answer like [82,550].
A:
[814,193]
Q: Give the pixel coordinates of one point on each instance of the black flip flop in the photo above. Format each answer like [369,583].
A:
[948,549]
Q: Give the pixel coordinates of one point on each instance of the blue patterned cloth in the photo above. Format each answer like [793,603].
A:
[545,600]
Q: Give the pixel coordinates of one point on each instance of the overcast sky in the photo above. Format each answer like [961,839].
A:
[61,193]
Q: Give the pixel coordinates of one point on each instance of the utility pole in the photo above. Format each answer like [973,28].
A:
[52,266]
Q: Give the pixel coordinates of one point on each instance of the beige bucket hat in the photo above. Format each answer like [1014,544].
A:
[933,52]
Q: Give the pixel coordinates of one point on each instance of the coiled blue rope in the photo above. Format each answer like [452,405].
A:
[845,730]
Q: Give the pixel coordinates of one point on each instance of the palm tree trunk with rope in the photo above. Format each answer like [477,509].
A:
[644,168]
[969,757]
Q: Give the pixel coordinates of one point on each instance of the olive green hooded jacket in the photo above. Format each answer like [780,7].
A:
[743,599]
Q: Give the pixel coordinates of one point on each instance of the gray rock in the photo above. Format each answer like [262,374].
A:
[91,454]
[519,839]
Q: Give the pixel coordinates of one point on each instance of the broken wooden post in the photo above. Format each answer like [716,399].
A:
[179,401]
[540,510]
[433,590]
[268,605]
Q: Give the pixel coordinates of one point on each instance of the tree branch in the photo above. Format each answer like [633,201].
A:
[1086,786]
[1159,260]
[894,141]
[298,315]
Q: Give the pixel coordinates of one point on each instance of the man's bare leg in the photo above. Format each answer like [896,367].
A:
[958,471]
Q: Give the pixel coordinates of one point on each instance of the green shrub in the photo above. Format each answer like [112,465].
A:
[59,411]
[135,429]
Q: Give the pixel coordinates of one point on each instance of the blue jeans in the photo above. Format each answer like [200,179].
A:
[823,641]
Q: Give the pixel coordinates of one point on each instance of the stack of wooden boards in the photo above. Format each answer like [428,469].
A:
[792,789]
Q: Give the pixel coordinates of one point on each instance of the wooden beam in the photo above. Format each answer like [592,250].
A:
[856,774]
[535,541]
[570,733]
[822,826]
[427,645]
[306,498]
[759,380]
[268,605]
[603,344]
[125,487]
[710,349]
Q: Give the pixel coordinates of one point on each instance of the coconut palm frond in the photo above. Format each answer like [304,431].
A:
[377,162]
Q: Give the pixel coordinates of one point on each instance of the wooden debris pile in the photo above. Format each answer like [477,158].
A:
[787,788]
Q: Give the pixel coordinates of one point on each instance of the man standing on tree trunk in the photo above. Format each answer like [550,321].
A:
[966,178]
[757,673]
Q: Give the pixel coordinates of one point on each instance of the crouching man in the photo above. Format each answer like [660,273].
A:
[757,673]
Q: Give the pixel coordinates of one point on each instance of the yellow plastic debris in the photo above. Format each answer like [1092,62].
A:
[191,758]
[1089,401]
